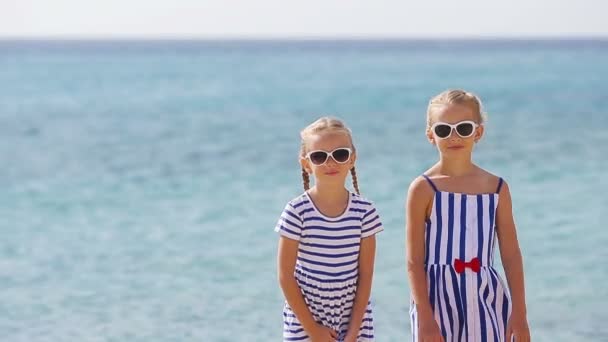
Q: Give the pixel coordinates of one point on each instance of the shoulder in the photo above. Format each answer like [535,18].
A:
[362,204]
[420,188]
[419,199]
[297,206]
[367,213]
[298,201]
[364,208]
[491,181]
[358,199]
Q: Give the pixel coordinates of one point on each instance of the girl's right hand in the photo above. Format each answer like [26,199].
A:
[323,334]
[429,332]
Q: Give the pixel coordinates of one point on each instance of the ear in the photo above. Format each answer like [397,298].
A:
[479,132]
[305,163]
[430,136]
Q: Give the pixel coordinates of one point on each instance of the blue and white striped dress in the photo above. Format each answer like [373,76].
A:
[468,306]
[327,266]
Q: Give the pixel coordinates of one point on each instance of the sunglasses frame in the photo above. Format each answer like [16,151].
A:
[454,127]
[330,154]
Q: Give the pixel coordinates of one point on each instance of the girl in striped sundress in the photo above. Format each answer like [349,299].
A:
[327,245]
[456,212]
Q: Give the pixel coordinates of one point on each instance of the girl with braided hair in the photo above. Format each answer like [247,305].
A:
[327,243]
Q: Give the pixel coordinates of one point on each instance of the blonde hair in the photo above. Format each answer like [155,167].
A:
[456,96]
[325,124]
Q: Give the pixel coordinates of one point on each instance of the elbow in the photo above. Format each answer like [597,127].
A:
[366,274]
[285,278]
[512,259]
[413,267]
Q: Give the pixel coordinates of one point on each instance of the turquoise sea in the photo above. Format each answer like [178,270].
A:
[141,180]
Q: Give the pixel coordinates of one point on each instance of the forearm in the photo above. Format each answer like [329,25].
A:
[364,289]
[294,298]
[514,272]
[418,286]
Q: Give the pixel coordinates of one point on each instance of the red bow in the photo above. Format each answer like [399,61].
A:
[460,265]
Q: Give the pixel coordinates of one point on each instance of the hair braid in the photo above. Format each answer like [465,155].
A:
[305,179]
[353,173]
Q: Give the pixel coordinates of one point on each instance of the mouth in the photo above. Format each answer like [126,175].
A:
[332,173]
[455,147]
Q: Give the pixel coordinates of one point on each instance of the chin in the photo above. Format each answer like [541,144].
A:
[456,152]
[333,179]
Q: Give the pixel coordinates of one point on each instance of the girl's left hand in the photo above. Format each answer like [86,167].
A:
[517,328]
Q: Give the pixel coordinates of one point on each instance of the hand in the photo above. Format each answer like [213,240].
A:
[322,333]
[429,332]
[517,328]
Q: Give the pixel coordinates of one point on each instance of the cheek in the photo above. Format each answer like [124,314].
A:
[440,142]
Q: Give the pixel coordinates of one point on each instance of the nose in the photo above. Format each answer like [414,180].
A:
[330,159]
[454,135]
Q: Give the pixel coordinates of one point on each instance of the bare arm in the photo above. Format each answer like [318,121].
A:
[367,255]
[418,198]
[287,255]
[509,250]
[512,262]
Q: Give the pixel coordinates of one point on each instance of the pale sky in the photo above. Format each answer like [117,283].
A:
[310,18]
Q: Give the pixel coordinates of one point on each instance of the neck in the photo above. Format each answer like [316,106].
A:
[329,193]
[455,167]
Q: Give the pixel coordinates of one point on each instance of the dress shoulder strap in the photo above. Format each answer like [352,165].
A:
[499,185]
[430,182]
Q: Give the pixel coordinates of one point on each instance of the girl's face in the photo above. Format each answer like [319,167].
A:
[328,167]
[461,137]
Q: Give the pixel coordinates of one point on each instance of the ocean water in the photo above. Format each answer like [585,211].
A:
[141,180]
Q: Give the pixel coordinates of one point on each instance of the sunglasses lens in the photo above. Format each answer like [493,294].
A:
[341,155]
[465,129]
[443,131]
[318,157]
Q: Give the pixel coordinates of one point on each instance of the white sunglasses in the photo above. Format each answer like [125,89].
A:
[340,155]
[464,129]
